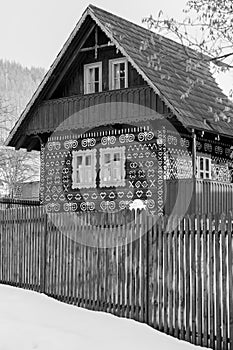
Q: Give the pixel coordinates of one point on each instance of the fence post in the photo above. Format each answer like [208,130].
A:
[43,258]
[230,280]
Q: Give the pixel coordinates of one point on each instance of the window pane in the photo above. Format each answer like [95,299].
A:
[87,175]
[107,174]
[116,70]
[207,165]
[201,163]
[91,75]
[88,160]
[122,83]
[77,176]
[79,160]
[107,158]
[96,87]
[122,70]
[96,74]
[116,173]
[116,157]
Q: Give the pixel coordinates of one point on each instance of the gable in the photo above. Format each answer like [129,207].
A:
[159,62]
[73,81]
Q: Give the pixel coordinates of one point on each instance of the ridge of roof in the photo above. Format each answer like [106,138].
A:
[138,59]
[169,40]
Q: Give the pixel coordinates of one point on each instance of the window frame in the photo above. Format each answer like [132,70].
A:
[112,151]
[87,68]
[84,153]
[205,157]
[112,63]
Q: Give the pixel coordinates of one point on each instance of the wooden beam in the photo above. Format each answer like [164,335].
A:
[93,47]
[70,61]
[194,161]
[32,143]
[96,42]
[20,142]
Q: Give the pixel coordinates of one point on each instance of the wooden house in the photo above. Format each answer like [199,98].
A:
[125,114]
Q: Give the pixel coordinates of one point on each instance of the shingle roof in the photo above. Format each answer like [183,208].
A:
[162,63]
[167,66]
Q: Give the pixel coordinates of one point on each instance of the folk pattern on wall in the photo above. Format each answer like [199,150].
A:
[146,152]
[221,159]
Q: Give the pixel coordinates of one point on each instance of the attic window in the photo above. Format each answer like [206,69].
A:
[93,77]
[118,73]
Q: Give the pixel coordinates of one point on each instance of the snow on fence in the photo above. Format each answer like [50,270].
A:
[173,274]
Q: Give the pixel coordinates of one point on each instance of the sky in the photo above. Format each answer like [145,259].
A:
[33,32]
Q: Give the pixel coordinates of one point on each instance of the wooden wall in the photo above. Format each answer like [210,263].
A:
[73,83]
[91,110]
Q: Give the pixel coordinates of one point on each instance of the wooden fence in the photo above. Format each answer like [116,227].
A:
[173,274]
[6,203]
[211,197]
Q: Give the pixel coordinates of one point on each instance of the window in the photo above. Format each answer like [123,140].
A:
[203,167]
[118,73]
[112,166]
[84,169]
[93,78]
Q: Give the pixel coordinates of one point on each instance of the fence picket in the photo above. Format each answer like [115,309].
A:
[211,282]
[230,278]
[174,275]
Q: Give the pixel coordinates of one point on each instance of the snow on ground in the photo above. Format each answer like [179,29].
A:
[29,320]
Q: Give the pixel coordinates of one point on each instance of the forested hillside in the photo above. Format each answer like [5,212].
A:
[18,83]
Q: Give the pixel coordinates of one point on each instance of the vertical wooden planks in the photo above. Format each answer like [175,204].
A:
[217,286]
[160,247]
[182,276]
[142,266]
[193,279]
[187,279]
[170,279]
[199,281]
[230,278]
[223,236]
[155,279]
[175,278]
[165,279]
[205,282]
[138,300]
[211,281]
[133,267]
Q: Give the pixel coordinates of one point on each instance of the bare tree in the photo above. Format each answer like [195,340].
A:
[15,166]
[207,27]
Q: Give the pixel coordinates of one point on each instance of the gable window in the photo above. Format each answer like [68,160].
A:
[93,77]
[118,73]
[203,167]
[84,169]
[112,166]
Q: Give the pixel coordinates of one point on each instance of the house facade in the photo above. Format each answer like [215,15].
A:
[116,121]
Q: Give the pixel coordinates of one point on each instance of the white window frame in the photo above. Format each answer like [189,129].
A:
[87,68]
[85,180]
[112,166]
[206,172]
[112,63]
